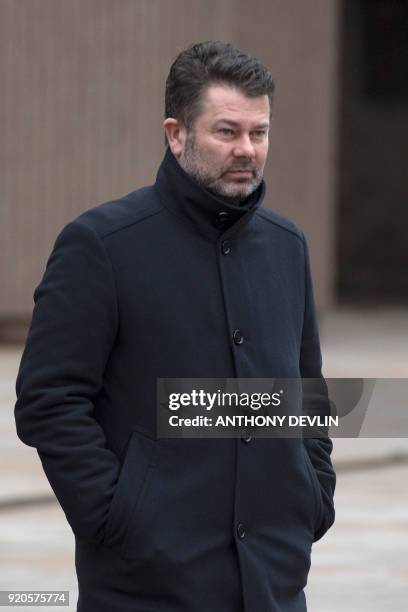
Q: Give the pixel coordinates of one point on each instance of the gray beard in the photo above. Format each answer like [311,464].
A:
[188,162]
[236,201]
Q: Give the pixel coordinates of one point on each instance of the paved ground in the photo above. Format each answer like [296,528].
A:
[361,565]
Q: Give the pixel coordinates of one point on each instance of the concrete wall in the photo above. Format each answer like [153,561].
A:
[82,106]
[300,42]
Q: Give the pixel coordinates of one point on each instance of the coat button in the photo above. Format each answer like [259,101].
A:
[225,247]
[240,531]
[246,437]
[237,336]
[222,219]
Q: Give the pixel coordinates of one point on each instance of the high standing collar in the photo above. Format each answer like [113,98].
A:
[205,212]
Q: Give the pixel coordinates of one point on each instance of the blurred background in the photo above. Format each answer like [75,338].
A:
[81,110]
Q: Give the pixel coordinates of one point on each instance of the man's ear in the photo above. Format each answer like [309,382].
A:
[176,135]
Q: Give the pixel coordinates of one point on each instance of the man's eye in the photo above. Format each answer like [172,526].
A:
[260,133]
[226,131]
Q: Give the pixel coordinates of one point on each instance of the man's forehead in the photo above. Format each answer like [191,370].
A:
[222,101]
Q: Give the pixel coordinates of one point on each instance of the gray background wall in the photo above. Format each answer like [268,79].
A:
[82,106]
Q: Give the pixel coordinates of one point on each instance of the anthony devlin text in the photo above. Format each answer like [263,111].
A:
[241,420]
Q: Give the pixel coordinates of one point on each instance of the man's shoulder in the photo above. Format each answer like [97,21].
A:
[278,221]
[115,215]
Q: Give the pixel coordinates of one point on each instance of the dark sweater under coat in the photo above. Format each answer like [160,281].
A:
[153,285]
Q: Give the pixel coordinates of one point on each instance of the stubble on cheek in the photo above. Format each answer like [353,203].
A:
[209,175]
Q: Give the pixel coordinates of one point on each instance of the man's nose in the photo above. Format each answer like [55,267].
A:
[244,147]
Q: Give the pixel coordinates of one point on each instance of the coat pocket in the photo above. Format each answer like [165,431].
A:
[318,499]
[133,477]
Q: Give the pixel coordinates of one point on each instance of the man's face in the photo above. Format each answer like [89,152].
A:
[226,149]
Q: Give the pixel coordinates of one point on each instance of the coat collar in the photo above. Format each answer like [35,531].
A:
[205,212]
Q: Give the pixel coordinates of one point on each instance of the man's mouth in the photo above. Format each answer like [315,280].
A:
[243,173]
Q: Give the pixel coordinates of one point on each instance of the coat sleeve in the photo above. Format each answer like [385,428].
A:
[316,396]
[72,331]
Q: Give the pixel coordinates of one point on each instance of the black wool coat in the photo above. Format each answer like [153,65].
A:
[153,285]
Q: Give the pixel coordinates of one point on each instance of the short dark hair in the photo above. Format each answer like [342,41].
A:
[208,63]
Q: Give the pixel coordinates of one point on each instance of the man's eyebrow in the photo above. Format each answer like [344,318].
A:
[233,123]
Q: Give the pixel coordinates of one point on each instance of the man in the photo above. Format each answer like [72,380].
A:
[191,278]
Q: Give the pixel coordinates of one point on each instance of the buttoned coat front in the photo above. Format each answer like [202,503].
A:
[154,285]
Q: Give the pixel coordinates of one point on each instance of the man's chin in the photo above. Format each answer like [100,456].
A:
[234,196]
[238,191]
